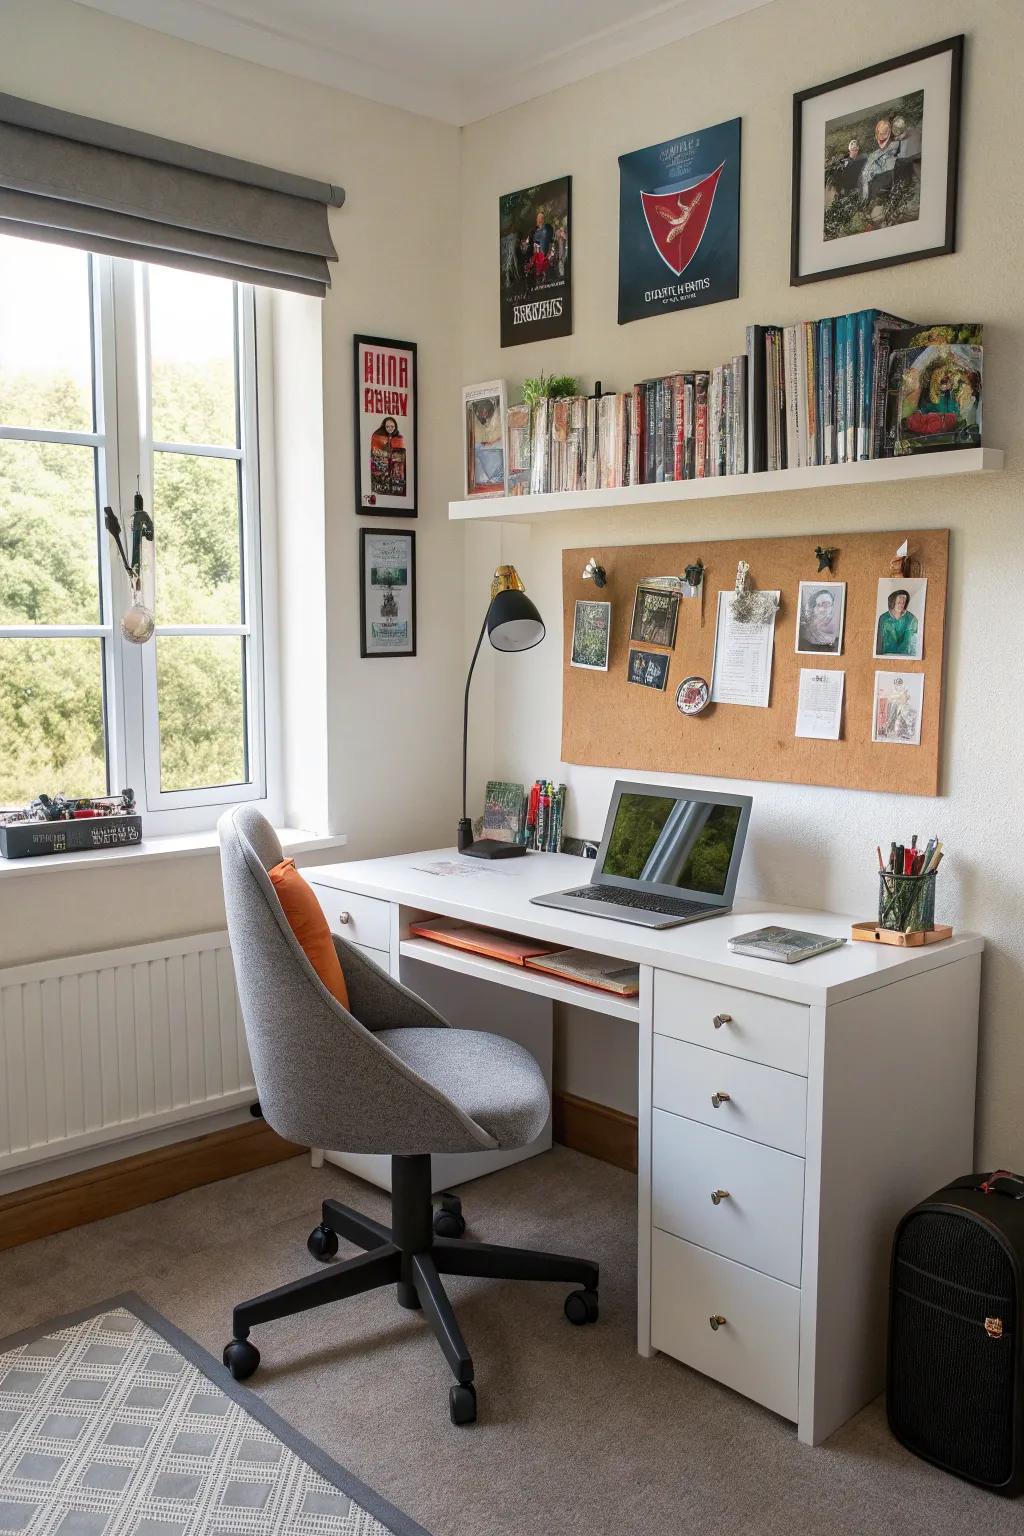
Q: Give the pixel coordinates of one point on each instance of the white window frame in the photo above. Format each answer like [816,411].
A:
[124,451]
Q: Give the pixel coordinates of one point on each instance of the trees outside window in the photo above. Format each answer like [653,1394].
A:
[116,376]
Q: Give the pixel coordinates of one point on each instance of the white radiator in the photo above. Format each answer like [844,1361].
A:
[100,1047]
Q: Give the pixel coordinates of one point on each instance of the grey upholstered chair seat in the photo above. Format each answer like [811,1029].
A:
[494,1081]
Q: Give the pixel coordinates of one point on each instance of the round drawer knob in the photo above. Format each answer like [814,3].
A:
[718,1195]
[717,1321]
[344,917]
[720,1019]
[720,1098]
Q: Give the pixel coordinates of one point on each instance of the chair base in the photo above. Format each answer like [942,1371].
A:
[410,1256]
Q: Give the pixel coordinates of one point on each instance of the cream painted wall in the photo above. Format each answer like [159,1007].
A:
[390,726]
[807,845]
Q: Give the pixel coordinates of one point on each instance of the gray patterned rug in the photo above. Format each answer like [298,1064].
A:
[113,1423]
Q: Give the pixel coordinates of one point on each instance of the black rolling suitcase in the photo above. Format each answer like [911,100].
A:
[955,1388]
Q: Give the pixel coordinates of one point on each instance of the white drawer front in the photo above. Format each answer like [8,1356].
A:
[731,1094]
[755,1350]
[758,1217]
[380,956]
[764,1029]
[359,919]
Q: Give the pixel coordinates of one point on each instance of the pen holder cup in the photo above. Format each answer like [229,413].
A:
[906,903]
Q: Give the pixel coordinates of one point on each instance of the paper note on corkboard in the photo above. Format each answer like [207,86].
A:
[610,723]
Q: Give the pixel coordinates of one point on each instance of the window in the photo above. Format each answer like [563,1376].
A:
[115,376]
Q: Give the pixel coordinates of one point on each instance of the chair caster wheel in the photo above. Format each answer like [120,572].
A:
[241,1358]
[581,1307]
[322,1242]
[448,1219]
[462,1403]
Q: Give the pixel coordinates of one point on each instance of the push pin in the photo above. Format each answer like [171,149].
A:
[826,558]
[595,573]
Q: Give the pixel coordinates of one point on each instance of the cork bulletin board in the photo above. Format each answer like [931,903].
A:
[611,723]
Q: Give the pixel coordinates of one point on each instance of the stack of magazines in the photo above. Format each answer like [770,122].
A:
[835,390]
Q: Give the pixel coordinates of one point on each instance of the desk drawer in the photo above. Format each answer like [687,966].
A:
[763,1104]
[359,919]
[755,1351]
[758,1222]
[750,1024]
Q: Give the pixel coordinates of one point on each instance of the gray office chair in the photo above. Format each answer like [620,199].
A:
[392,1076]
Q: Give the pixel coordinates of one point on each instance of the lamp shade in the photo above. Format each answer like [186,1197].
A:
[513,623]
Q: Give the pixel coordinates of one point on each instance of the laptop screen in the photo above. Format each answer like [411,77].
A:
[673,842]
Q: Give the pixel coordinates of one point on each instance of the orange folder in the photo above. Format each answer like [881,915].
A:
[481,941]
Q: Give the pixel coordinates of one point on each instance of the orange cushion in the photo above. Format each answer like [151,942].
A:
[306,919]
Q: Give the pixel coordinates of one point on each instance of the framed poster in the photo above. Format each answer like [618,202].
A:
[679,223]
[483,438]
[386,444]
[875,154]
[387,592]
[535,262]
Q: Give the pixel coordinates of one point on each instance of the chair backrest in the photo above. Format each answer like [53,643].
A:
[323,1080]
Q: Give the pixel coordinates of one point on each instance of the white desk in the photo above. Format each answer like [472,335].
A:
[818,1101]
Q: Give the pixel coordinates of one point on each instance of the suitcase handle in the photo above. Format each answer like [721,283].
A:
[1003,1182]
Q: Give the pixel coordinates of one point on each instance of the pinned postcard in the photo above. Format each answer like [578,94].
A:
[899,698]
[819,709]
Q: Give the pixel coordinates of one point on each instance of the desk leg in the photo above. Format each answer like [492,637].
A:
[645,1054]
[316,1157]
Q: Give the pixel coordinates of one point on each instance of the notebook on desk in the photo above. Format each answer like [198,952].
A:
[669,855]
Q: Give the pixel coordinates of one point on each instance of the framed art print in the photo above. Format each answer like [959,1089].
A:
[387,592]
[875,155]
[483,417]
[535,261]
[386,443]
[679,223]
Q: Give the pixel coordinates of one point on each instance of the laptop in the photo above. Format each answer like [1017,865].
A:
[667,856]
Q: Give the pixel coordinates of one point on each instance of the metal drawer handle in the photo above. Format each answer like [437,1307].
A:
[717,1321]
[720,1019]
[718,1195]
[344,917]
[720,1098]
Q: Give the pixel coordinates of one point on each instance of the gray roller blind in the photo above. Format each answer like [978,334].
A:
[79,182]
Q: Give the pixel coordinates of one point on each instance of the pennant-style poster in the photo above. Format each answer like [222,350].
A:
[679,223]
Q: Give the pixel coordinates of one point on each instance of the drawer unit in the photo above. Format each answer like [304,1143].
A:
[730,1019]
[359,919]
[730,1094]
[732,1196]
[754,1345]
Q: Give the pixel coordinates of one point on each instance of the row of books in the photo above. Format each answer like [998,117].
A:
[825,391]
[533,820]
[678,427]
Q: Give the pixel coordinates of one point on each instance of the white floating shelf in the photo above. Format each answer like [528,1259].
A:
[921,466]
[519,978]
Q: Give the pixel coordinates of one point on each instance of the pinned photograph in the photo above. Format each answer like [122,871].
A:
[899,617]
[591,632]
[483,408]
[819,620]
[655,615]
[899,697]
[648,668]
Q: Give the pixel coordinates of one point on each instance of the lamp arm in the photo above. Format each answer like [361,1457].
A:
[465,710]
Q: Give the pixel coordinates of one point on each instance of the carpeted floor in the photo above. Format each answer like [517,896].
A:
[577,1436]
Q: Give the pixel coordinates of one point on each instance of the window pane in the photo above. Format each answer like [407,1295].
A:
[51,719]
[198,539]
[201,700]
[48,531]
[45,337]
[192,357]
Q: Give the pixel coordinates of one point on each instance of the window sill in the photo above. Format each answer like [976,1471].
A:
[183,846]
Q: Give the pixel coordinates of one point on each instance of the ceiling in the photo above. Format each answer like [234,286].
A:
[456,60]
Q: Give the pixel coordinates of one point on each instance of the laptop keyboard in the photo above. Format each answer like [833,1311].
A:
[646,901]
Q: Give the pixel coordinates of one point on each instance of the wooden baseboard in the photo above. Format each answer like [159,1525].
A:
[595,1129]
[42,1209]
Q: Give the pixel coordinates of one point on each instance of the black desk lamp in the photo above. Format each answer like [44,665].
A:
[512,623]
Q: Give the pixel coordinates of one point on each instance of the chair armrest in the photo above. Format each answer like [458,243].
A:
[377,1000]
